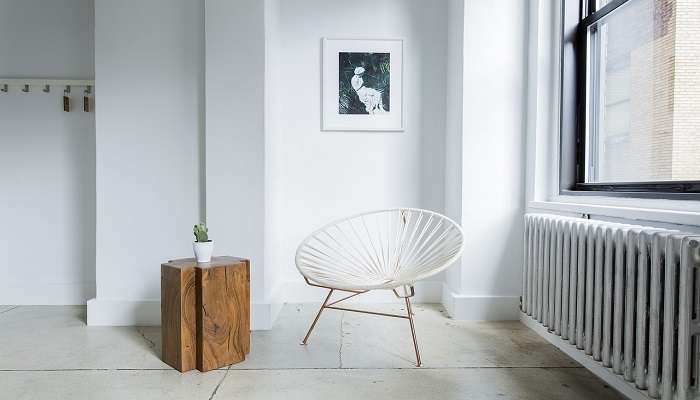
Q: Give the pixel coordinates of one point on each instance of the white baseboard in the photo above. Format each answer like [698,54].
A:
[38,293]
[107,312]
[616,381]
[480,308]
[103,312]
[300,292]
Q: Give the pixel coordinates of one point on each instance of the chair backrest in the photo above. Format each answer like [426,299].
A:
[399,246]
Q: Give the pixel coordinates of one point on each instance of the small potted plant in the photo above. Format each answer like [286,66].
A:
[203,247]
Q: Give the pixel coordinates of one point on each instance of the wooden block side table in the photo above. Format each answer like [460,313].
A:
[217,310]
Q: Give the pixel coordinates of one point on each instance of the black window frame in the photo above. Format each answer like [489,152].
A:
[576,20]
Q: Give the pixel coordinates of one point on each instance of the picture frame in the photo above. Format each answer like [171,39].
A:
[362,85]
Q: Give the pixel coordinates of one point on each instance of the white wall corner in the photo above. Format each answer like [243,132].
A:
[264,315]
[480,308]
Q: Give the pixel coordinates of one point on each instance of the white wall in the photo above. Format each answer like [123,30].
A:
[42,38]
[321,176]
[150,76]
[454,126]
[46,155]
[274,204]
[494,134]
[235,138]
[492,163]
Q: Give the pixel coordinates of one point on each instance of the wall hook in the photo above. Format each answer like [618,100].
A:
[86,98]
[25,89]
[47,88]
[66,99]
[4,88]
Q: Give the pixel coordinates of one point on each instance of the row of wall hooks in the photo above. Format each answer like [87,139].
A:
[26,85]
[46,89]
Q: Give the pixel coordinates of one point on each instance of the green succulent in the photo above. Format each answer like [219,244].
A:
[201,233]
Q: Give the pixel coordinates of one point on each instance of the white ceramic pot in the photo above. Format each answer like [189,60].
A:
[203,250]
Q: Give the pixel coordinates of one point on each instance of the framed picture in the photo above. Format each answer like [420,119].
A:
[362,85]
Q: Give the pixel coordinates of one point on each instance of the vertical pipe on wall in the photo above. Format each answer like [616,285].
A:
[630,286]
[540,270]
[565,300]
[590,288]
[643,267]
[695,313]
[582,282]
[598,295]
[607,298]
[532,282]
[534,267]
[545,282]
[689,250]
[669,327]
[558,279]
[530,263]
[532,254]
[618,300]
[657,252]
[552,274]
[526,263]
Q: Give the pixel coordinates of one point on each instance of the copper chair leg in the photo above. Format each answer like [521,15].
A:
[333,306]
[313,324]
[413,331]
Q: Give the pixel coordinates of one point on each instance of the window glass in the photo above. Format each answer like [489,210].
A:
[643,98]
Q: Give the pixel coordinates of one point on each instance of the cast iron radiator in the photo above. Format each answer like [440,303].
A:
[626,296]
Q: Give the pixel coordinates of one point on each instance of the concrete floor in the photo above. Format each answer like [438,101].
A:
[47,352]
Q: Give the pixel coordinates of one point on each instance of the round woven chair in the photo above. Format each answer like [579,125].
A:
[388,249]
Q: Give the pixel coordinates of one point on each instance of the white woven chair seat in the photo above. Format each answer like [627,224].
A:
[380,250]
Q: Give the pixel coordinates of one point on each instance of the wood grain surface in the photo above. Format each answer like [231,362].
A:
[205,311]
[223,314]
[178,317]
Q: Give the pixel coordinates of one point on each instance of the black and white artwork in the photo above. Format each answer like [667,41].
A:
[362,85]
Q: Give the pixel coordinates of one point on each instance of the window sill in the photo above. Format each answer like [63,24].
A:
[653,210]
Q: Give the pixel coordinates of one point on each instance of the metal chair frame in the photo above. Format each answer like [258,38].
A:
[326,304]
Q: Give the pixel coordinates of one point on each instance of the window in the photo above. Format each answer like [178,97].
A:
[631,98]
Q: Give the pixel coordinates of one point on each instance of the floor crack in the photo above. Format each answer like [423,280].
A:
[340,348]
[151,343]
[9,309]
[220,382]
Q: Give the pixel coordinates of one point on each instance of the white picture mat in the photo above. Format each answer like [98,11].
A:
[332,120]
